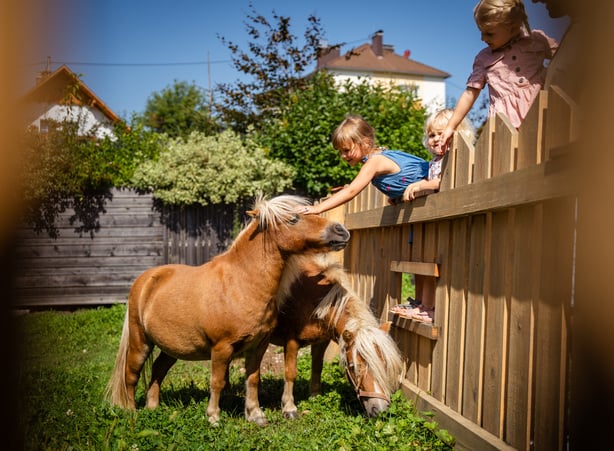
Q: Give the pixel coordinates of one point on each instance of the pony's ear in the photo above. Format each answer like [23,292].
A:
[252,213]
[386,326]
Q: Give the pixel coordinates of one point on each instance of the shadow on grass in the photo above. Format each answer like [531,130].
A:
[271,388]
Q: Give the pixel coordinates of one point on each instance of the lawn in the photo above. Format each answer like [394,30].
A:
[67,360]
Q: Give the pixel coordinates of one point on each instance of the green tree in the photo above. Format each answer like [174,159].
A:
[67,168]
[179,110]
[301,133]
[212,170]
[275,65]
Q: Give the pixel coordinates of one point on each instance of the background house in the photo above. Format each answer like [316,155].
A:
[377,62]
[61,95]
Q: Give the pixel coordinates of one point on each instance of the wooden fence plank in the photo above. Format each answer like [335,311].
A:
[505,146]
[483,152]
[464,161]
[474,341]
[417,253]
[496,325]
[562,123]
[551,347]
[442,302]
[456,320]
[530,134]
[425,345]
[526,274]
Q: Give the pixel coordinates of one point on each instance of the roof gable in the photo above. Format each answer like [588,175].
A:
[64,87]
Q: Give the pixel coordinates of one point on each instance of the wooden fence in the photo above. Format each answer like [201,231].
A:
[499,238]
[75,270]
[135,235]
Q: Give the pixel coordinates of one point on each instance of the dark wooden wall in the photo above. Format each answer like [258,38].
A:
[78,270]
[75,270]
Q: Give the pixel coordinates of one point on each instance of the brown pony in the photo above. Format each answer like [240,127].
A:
[318,305]
[220,309]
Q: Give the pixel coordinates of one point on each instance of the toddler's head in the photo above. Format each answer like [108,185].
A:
[488,13]
[436,123]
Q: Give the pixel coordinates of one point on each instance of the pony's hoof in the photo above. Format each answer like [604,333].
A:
[292,415]
[215,422]
[260,421]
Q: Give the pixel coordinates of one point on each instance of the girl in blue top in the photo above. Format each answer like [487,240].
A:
[390,171]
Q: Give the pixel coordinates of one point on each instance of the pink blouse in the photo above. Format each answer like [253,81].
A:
[514,74]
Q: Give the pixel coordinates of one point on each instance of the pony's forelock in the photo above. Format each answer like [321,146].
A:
[280,209]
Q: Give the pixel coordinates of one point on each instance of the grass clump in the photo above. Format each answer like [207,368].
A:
[68,358]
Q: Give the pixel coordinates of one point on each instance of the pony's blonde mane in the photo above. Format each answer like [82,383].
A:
[373,344]
[268,214]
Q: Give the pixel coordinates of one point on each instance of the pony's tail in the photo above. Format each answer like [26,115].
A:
[116,392]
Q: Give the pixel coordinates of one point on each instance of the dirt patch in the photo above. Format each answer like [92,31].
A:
[273,361]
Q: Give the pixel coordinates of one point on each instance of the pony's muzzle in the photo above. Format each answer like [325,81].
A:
[340,237]
[375,406]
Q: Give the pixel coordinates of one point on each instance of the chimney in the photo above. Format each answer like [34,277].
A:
[326,54]
[377,43]
[43,75]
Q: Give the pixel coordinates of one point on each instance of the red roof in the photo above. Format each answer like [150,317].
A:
[64,86]
[376,57]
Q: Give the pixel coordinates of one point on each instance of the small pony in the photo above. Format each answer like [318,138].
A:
[221,309]
[318,305]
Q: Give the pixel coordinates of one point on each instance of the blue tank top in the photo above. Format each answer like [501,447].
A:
[413,168]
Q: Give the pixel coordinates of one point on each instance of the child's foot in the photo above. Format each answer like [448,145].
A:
[406,310]
[423,314]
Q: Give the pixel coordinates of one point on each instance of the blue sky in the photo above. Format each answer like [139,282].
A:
[126,50]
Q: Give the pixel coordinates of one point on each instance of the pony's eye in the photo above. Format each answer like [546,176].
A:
[294,219]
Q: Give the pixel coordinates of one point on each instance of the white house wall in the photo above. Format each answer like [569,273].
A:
[88,117]
[432,91]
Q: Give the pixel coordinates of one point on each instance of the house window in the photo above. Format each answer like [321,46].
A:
[44,126]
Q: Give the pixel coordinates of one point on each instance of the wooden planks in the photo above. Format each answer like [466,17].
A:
[83,270]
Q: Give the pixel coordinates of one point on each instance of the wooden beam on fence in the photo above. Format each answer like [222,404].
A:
[549,180]
[420,268]
[467,434]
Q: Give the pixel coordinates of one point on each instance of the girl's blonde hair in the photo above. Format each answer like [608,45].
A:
[501,12]
[353,129]
[439,120]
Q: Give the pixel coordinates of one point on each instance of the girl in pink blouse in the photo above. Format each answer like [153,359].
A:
[512,65]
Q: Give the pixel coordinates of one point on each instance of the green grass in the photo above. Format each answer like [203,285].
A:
[408,287]
[68,358]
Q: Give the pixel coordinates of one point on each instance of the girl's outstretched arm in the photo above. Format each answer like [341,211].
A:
[370,169]
[463,106]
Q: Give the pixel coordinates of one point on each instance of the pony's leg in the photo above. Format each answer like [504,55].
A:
[288,407]
[253,358]
[160,368]
[138,352]
[221,356]
[317,362]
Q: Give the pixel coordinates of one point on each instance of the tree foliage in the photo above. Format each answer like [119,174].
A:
[212,170]
[179,110]
[301,134]
[65,169]
[275,65]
